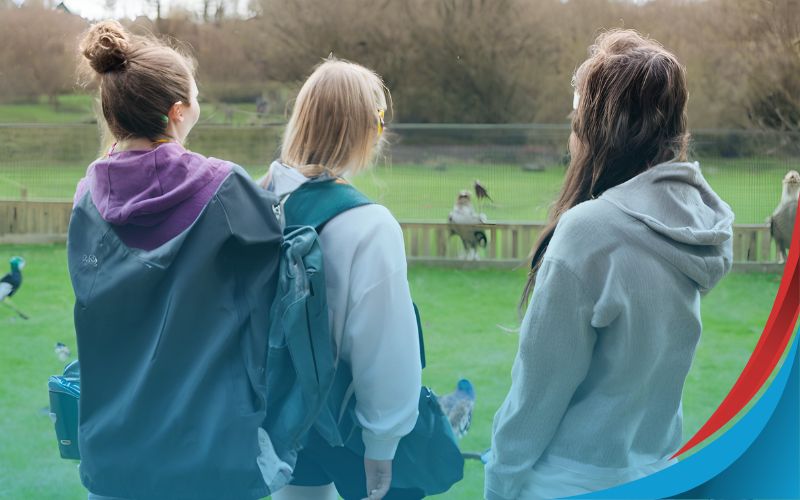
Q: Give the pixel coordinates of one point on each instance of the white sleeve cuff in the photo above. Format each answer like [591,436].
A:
[379,448]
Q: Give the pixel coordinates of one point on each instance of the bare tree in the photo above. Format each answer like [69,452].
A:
[39,61]
[773,62]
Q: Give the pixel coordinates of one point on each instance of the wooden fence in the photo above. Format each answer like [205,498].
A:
[426,242]
[34,221]
[510,242]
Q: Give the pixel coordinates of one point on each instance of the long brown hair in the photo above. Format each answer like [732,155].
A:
[631,115]
[140,79]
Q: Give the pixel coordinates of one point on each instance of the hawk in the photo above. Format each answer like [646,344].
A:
[465,222]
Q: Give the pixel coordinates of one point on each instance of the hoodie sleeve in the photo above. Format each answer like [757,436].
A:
[381,342]
[555,350]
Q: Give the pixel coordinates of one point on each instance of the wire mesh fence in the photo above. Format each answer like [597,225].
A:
[424,167]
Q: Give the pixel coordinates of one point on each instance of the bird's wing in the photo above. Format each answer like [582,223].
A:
[782,223]
[460,416]
[452,225]
[481,191]
[446,402]
[5,290]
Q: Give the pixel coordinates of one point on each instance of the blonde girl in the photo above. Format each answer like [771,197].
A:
[635,238]
[334,131]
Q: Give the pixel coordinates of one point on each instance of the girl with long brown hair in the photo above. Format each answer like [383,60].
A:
[634,239]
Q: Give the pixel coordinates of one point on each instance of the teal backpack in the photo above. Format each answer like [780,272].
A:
[428,458]
[301,361]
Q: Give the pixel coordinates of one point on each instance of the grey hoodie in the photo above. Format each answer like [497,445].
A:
[609,336]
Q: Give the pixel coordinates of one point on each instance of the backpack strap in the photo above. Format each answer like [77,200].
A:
[316,202]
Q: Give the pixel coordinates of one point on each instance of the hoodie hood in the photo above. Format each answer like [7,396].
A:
[694,226]
[143,188]
[282,179]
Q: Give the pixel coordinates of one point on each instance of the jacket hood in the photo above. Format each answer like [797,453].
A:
[143,187]
[694,226]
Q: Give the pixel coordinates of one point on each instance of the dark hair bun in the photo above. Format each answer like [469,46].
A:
[106,47]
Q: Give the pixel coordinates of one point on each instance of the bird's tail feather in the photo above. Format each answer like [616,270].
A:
[481,237]
[8,304]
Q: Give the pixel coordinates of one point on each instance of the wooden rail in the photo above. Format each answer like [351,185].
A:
[34,221]
[508,243]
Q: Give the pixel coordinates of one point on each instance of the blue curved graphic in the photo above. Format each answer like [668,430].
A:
[721,468]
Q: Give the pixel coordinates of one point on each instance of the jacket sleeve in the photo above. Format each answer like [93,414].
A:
[382,344]
[555,350]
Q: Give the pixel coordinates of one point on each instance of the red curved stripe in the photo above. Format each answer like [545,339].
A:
[768,351]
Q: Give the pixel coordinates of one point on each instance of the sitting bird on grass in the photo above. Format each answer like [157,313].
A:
[11,282]
[63,352]
[781,223]
[458,407]
[464,222]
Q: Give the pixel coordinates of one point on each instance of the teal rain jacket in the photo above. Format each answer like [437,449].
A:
[173,346]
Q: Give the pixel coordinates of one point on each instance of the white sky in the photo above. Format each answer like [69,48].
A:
[98,9]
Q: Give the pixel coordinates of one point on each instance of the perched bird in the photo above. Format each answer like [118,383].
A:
[782,220]
[11,282]
[464,222]
[481,192]
[63,352]
[458,407]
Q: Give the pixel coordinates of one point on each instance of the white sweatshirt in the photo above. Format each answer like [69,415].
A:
[371,316]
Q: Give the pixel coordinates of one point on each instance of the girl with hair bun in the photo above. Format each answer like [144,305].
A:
[635,238]
[173,259]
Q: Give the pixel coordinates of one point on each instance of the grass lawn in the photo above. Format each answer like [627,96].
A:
[45,162]
[72,108]
[79,108]
[460,310]
[750,186]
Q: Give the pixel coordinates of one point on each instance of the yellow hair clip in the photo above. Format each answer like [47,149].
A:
[380,122]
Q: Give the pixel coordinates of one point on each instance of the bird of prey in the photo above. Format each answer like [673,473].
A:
[11,282]
[481,192]
[782,220]
[63,352]
[465,222]
[458,407]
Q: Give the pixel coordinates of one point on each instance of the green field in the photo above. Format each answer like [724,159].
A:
[45,161]
[462,340]
[421,192]
[78,108]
